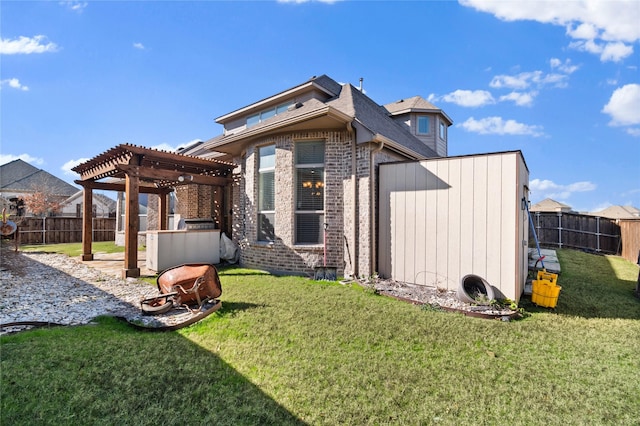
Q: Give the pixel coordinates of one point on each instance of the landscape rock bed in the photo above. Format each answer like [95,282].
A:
[437,298]
[54,289]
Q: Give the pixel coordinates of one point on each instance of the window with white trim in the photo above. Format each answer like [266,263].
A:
[266,192]
[309,192]
[423,125]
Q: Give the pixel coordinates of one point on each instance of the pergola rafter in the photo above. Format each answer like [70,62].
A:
[135,169]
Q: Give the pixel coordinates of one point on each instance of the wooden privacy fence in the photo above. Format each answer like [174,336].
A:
[630,231]
[577,231]
[54,230]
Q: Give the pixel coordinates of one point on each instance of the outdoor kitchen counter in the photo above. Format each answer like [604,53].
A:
[172,248]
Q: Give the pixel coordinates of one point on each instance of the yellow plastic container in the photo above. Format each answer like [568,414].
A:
[548,276]
[545,293]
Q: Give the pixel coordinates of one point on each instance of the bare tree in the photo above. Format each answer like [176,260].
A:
[42,201]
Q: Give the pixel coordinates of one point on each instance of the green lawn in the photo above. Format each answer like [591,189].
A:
[287,350]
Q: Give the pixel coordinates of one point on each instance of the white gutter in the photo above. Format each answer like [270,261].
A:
[396,147]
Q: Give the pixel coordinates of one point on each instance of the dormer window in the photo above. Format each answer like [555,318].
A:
[254,119]
[443,131]
[423,125]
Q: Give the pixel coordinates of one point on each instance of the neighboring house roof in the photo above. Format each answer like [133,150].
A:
[343,104]
[549,205]
[109,203]
[20,176]
[618,212]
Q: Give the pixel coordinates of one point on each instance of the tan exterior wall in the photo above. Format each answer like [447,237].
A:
[442,219]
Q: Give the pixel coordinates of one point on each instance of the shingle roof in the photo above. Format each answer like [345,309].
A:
[618,212]
[349,101]
[548,205]
[20,176]
[375,117]
[415,103]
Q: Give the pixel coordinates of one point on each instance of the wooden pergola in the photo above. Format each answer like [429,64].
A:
[134,170]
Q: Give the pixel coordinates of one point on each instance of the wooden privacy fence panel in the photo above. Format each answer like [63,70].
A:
[577,231]
[55,230]
[630,231]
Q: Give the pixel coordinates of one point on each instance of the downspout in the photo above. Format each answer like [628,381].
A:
[354,197]
[372,215]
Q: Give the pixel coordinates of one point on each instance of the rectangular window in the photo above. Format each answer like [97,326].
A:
[309,195]
[443,131]
[266,192]
[252,120]
[423,125]
[267,114]
[283,108]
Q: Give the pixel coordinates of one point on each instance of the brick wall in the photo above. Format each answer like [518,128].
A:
[348,206]
[194,201]
[283,254]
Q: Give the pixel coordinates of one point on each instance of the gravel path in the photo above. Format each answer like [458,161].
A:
[55,288]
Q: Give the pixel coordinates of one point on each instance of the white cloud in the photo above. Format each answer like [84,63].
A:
[614,52]
[76,6]
[624,106]
[520,98]
[543,188]
[565,67]
[6,158]
[27,45]
[527,79]
[138,46]
[499,126]
[66,167]
[613,23]
[468,98]
[14,83]
[633,131]
[166,147]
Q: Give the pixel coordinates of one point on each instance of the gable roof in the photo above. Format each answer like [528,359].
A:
[549,205]
[347,105]
[108,202]
[20,176]
[618,212]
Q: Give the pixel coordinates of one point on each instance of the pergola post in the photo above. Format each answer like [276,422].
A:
[87,222]
[163,211]
[131,221]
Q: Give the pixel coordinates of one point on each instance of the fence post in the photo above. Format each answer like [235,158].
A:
[560,229]
[598,234]
[44,230]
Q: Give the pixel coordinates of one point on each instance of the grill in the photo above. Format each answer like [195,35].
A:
[199,224]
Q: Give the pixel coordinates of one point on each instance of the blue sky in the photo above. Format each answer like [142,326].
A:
[557,80]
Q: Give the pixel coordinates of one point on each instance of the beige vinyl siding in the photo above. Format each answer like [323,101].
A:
[441,219]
